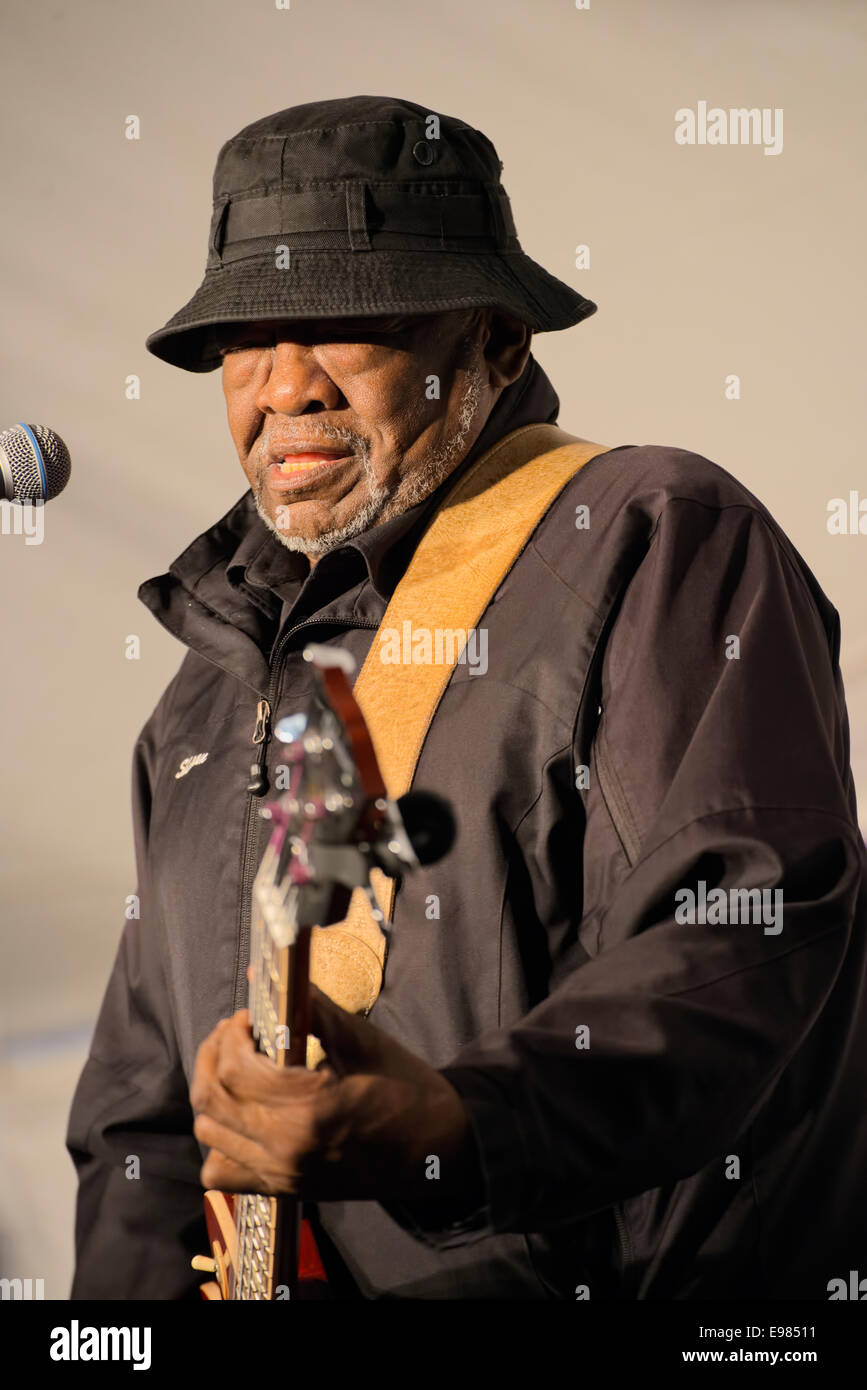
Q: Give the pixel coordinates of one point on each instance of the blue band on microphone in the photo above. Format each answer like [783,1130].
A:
[38,452]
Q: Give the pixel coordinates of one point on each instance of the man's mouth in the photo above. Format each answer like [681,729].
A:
[303,467]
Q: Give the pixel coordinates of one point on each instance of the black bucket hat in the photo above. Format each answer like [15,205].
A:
[354,207]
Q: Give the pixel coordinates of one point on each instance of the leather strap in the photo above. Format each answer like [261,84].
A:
[462,559]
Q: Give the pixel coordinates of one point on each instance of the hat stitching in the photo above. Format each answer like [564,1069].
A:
[279,304]
[424,188]
[282,186]
[265,247]
[491,257]
[345,125]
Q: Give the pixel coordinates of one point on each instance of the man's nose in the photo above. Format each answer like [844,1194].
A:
[296,380]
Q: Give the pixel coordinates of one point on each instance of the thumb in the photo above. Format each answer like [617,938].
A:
[353,1045]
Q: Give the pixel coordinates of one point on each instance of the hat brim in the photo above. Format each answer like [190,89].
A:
[344,284]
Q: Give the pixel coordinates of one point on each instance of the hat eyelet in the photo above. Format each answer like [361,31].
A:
[424,152]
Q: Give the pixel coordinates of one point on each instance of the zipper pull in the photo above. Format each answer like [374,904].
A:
[258,784]
[263,715]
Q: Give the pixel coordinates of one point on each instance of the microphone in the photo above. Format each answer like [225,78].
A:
[34,464]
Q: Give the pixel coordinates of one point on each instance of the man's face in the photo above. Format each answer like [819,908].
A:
[341,423]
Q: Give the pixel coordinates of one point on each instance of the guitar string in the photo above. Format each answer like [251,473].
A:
[256,1228]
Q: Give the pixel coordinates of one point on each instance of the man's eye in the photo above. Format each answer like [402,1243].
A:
[382,324]
[395,325]
[363,331]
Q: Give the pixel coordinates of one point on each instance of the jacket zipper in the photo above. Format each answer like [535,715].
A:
[257,787]
[625,1240]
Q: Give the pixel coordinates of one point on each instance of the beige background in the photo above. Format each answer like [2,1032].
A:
[705,261]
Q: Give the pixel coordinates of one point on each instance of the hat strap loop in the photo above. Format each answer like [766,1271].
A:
[498,215]
[218,232]
[356,215]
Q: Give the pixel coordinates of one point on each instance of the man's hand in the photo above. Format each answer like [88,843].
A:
[365,1124]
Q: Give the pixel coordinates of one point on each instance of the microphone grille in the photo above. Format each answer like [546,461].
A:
[38,461]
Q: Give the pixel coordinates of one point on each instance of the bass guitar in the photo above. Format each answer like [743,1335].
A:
[333,823]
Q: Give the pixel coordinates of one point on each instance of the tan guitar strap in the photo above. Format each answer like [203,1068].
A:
[474,539]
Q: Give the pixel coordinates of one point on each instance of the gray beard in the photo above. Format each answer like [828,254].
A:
[383,504]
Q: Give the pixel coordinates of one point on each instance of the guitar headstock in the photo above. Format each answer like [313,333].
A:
[332,812]
[332,824]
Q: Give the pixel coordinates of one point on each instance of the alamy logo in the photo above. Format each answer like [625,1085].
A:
[190,762]
[22,1288]
[76,1343]
[740,125]
[23,518]
[723,907]
[847,521]
[440,646]
[855,1289]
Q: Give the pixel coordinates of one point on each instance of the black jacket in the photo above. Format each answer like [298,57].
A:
[663,1109]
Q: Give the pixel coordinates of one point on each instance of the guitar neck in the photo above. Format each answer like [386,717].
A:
[268,1228]
[331,827]
[278,995]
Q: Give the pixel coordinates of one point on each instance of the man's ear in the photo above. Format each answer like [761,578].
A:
[507,347]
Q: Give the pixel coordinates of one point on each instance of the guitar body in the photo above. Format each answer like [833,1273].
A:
[223,1243]
[310,1279]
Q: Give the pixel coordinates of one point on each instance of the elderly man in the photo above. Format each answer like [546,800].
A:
[626,1015]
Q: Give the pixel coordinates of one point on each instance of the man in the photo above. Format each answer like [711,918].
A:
[631,1088]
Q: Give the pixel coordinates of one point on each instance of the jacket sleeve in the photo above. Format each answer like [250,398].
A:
[715,761]
[139,1216]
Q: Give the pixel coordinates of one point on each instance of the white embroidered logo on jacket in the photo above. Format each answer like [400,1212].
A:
[190,762]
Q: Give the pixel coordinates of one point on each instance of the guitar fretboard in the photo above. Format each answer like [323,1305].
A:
[256,1216]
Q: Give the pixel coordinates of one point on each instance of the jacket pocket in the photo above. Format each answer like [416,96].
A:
[615,798]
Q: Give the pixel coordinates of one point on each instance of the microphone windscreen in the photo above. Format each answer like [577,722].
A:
[35,463]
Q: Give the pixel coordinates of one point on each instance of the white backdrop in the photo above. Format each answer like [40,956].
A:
[705,261]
